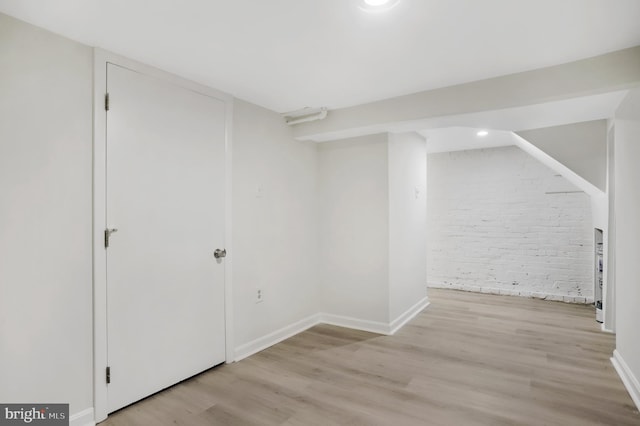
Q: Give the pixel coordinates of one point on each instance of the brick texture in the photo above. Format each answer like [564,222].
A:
[499,221]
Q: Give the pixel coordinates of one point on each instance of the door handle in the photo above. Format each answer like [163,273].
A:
[220,253]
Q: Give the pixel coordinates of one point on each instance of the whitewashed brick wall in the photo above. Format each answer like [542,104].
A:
[501,222]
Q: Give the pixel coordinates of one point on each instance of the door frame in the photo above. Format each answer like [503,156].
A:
[101,59]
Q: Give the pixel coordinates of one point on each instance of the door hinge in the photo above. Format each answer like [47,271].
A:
[106,102]
[108,375]
[107,236]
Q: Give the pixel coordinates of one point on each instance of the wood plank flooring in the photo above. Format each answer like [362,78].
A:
[468,359]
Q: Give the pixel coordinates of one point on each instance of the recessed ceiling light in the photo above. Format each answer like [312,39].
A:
[482,133]
[376,6]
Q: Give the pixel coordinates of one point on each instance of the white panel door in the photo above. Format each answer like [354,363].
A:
[165,197]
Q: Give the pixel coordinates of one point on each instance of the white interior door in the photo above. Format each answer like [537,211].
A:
[165,196]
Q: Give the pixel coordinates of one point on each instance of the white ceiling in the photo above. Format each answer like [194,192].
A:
[287,54]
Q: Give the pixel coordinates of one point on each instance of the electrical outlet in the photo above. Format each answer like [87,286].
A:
[259,295]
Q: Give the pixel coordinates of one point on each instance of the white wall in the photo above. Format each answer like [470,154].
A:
[45,217]
[407,222]
[275,241]
[500,221]
[354,228]
[46,222]
[582,147]
[627,225]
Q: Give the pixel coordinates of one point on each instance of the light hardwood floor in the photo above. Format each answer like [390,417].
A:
[468,359]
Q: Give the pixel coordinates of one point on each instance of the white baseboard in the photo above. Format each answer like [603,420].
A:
[630,381]
[262,343]
[83,418]
[356,324]
[605,329]
[277,336]
[399,322]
